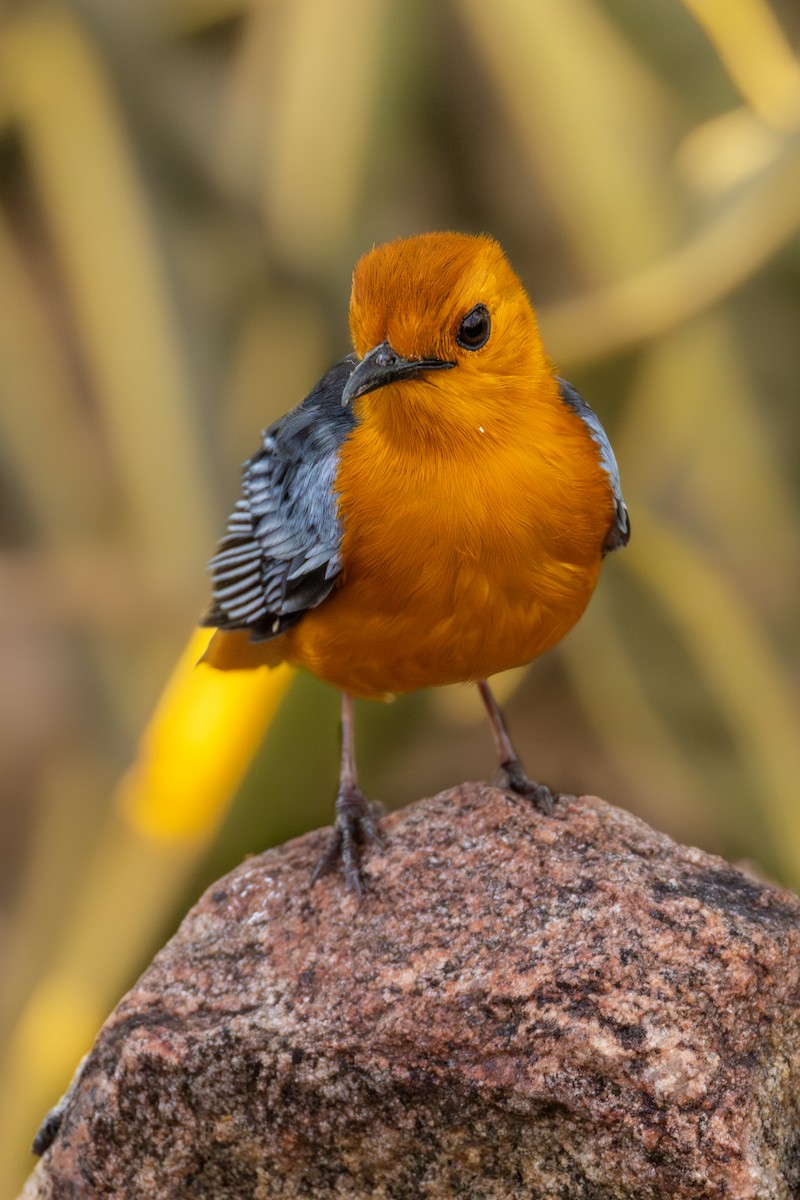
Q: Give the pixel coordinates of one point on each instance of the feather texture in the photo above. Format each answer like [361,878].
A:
[620,532]
[442,524]
[280,554]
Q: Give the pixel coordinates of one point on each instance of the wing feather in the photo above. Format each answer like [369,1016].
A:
[280,554]
[620,530]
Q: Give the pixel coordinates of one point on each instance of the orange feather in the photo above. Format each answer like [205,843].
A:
[473,501]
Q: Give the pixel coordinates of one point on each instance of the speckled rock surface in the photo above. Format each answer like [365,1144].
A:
[524,1006]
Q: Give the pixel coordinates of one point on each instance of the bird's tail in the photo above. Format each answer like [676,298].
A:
[235,651]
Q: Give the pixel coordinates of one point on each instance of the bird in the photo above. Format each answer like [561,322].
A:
[436,510]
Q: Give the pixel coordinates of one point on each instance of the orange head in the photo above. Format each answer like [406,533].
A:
[446,334]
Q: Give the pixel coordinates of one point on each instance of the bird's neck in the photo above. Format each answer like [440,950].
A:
[461,419]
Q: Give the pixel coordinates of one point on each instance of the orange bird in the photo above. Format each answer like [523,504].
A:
[434,511]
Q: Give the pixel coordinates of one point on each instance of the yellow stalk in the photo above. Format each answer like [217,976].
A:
[739,666]
[198,745]
[102,232]
[684,282]
[192,757]
[756,54]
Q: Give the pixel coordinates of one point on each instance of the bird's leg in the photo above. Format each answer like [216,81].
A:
[512,768]
[355,816]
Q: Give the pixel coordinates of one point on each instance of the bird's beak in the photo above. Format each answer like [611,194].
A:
[382,365]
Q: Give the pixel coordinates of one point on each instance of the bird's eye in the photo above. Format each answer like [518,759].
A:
[475,327]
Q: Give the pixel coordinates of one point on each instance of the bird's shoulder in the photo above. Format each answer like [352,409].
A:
[280,554]
[620,530]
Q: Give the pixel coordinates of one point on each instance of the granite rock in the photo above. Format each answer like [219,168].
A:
[567,1007]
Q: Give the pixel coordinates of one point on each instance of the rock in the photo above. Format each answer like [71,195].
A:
[523,1006]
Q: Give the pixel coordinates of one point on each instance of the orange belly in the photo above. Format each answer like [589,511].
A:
[476,566]
[470,632]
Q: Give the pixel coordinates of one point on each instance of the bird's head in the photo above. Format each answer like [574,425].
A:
[445,332]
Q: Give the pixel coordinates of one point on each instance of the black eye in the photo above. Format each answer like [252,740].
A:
[475,327]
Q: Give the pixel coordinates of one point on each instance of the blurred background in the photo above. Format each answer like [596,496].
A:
[184,188]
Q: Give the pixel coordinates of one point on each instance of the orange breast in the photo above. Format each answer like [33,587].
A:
[460,560]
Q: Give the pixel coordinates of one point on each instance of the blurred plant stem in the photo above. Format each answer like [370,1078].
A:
[756,54]
[97,216]
[741,237]
[167,808]
[760,703]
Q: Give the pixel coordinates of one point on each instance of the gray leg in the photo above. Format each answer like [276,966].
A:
[355,816]
[512,768]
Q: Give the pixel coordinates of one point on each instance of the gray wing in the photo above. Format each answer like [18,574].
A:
[620,530]
[280,555]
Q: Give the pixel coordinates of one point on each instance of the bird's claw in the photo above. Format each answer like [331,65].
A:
[539,793]
[354,825]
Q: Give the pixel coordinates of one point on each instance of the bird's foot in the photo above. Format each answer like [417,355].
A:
[355,824]
[538,793]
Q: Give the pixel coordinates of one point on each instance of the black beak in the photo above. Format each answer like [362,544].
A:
[382,365]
